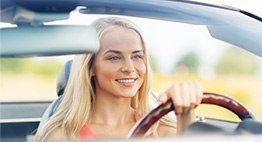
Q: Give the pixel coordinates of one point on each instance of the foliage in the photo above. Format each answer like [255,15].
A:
[11,65]
[46,67]
[190,60]
[236,61]
[153,63]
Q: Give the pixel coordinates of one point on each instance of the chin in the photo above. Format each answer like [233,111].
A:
[127,95]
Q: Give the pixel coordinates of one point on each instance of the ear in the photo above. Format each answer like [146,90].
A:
[93,72]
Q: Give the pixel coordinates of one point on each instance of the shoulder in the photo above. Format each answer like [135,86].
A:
[166,131]
[56,135]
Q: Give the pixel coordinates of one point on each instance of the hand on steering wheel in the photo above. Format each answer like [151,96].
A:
[147,121]
[185,96]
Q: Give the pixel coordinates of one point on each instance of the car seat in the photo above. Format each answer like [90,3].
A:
[60,87]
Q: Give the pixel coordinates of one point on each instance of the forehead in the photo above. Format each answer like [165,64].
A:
[120,38]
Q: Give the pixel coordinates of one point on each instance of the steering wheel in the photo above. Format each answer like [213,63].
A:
[148,120]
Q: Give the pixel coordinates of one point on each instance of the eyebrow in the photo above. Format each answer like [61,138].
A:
[136,51]
[119,52]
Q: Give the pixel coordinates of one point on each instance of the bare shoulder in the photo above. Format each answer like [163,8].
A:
[166,131]
[56,135]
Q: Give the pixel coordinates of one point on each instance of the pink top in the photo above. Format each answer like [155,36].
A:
[86,133]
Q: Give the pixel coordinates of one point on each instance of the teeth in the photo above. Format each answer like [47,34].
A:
[126,80]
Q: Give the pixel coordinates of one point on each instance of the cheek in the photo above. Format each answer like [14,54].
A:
[141,67]
[105,71]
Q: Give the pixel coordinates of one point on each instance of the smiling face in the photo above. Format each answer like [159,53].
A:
[119,64]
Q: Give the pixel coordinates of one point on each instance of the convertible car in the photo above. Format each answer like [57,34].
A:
[221,46]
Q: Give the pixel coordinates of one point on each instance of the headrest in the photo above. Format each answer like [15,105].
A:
[63,78]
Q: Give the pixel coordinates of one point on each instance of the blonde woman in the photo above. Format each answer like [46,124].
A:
[109,91]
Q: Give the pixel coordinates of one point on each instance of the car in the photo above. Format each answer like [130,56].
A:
[220,46]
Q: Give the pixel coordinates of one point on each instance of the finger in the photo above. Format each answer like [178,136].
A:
[162,98]
[177,99]
[199,90]
[193,95]
[185,96]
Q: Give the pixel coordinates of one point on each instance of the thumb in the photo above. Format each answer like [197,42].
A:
[162,98]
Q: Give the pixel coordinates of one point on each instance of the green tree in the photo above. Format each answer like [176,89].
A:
[11,65]
[44,67]
[153,63]
[237,61]
[190,60]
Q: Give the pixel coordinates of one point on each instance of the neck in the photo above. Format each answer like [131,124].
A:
[112,110]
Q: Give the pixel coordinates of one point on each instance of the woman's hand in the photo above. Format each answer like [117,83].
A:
[185,96]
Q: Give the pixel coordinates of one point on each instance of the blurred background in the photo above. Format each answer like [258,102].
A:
[178,52]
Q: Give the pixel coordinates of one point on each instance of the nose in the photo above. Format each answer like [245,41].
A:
[128,66]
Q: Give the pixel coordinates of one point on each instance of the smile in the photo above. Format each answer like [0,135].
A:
[126,80]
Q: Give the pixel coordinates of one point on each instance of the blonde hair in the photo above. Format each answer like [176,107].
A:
[79,97]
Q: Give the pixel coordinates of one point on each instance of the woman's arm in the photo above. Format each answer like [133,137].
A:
[183,121]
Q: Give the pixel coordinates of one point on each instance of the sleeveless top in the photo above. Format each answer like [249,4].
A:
[86,133]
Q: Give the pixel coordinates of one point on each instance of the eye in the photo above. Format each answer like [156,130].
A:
[114,58]
[137,57]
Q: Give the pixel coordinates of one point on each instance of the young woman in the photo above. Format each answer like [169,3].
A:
[109,91]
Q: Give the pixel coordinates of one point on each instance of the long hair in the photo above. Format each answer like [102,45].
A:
[79,97]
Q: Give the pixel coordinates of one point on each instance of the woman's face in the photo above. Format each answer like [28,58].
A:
[119,64]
